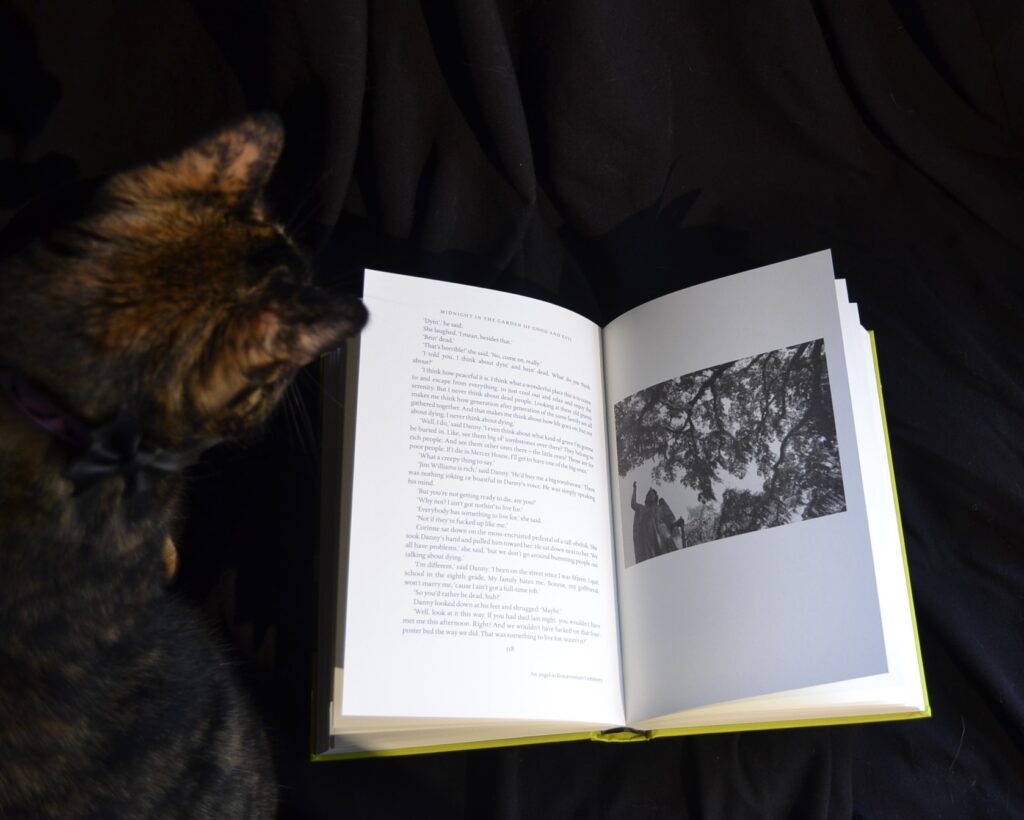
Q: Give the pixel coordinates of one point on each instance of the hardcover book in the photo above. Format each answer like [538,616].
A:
[538,529]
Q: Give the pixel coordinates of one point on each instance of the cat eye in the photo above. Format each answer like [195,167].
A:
[283,283]
[281,273]
[266,374]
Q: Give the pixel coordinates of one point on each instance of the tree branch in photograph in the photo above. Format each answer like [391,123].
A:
[771,412]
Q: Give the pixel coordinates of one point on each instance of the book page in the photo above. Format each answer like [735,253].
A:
[900,690]
[745,564]
[480,567]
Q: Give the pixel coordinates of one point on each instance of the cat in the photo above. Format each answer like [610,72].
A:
[166,311]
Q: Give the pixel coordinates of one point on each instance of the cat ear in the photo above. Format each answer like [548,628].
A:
[235,162]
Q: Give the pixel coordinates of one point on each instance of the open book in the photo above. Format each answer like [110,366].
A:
[538,529]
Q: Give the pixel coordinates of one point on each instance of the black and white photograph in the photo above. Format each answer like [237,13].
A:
[730,449]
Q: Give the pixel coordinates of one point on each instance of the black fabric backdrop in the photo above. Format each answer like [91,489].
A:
[598,154]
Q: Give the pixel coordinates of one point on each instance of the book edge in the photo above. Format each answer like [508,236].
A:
[899,526]
[623,736]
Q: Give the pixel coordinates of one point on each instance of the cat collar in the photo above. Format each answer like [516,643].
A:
[98,452]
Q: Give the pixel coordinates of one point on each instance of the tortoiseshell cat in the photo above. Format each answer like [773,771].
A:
[171,313]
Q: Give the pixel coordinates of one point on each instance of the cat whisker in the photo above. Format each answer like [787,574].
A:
[298,222]
[300,430]
[322,390]
[304,210]
[307,423]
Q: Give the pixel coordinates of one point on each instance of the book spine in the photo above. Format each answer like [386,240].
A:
[621,734]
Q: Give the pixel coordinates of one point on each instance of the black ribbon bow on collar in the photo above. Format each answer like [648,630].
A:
[100,452]
[116,447]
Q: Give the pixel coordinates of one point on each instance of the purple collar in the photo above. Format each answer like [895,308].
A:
[98,452]
[41,411]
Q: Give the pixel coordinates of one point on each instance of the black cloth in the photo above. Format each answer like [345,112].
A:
[598,154]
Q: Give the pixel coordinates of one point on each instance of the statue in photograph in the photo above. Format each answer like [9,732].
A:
[645,534]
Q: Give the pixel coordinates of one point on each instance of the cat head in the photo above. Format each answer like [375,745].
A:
[173,294]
